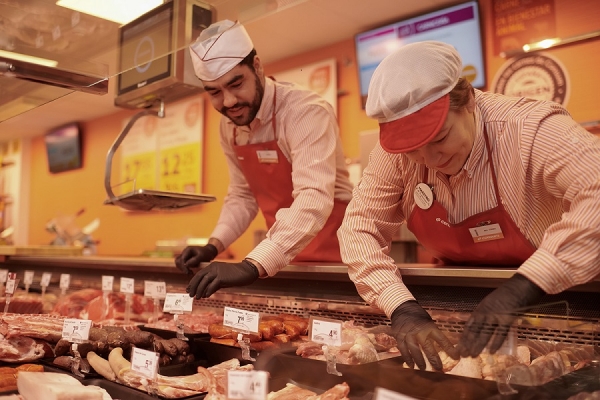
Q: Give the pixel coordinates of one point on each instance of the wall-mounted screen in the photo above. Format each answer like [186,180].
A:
[145,49]
[458,25]
[63,146]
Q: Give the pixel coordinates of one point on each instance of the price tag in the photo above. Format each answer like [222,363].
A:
[65,281]
[46,276]
[107,283]
[179,166]
[144,362]
[246,321]
[326,331]
[178,303]
[76,329]
[247,385]
[386,394]
[11,283]
[140,167]
[28,278]
[155,290]
[3,275]
[127,285]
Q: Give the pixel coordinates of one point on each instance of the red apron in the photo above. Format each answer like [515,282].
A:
[454,244]
[272,186]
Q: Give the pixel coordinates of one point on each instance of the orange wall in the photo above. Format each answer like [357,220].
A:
[128,233]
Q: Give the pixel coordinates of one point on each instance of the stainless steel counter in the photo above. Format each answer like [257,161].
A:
[422,274]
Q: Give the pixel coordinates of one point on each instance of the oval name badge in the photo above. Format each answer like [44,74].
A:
[423,196]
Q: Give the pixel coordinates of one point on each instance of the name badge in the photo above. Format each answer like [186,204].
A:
[423,196]
[267,156]
[486,233]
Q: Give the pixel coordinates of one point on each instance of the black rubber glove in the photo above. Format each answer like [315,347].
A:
[221,275]
[495,315]
[415,330]
[192,256]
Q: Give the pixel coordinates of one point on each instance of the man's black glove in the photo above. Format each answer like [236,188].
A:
[415,330]
[221,275]
[496,313]
[192,256]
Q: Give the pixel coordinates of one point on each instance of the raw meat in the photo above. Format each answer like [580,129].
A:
[55,386]
[469,367]
[89,304]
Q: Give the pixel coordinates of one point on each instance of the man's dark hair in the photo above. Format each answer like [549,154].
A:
[249,60]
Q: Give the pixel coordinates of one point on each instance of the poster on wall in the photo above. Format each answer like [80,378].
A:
[320,77]
[538,76]
[166,153]
[519,22]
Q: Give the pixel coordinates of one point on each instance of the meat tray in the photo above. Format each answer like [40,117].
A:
[363,379]
[216,353]
[169,334]
[122,392]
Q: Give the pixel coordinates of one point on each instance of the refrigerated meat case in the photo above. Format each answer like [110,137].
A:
[449,294]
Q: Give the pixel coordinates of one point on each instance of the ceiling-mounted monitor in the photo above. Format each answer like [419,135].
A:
[154,59]
[458,25]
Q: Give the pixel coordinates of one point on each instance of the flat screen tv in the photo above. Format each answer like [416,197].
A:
[458,25]
[63,146]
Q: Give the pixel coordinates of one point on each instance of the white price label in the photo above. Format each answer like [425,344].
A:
[243,320]
[46,276]
[144,362]
[328,332]
[178,303]
[247,385]
[386,394]
[127,285]
[11,283]
[107,283]
[3,275]
[28,278]
[65,281]
[155,290]
[75,330]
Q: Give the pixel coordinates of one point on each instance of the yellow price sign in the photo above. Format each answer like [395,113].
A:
[180,168]
[140,168]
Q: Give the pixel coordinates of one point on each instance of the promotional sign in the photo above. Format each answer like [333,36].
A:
[538,76]
[165,153]
[519,22]
[320,77]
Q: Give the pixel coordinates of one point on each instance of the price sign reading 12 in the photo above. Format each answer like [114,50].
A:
[180,166]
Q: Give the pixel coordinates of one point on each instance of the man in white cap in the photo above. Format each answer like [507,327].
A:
[480,179]
[285,158]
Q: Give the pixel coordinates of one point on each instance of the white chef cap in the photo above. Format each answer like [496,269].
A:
[408,94]
[219,48]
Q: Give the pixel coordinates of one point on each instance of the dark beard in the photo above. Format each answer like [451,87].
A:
[254,106]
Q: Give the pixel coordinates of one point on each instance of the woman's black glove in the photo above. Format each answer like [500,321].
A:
[415,330]
[192,256]
[496,313]
[221,275]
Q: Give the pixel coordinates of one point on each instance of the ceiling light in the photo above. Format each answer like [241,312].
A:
[29,59]
[112,10]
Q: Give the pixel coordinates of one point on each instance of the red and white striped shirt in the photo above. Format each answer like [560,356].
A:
[548,170]
[308,135]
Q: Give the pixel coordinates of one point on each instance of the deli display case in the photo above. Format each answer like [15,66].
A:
[562,333]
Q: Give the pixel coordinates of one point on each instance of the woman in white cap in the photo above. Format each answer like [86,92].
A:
[285,157]
[480,179]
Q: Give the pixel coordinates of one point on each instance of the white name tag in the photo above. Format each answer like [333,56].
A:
[486,233]
[267,156]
